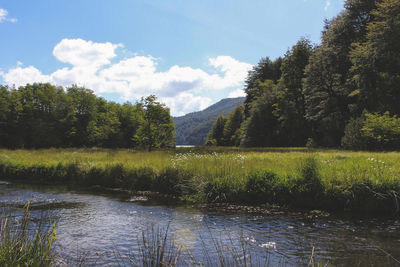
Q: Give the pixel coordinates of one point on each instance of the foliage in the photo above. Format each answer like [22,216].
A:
[157,128]
[261,124]
[216,134]
[290,102]
[353,137]
[382,130]
[264,70]
[232,132]
[43,115]
[376,61]
[314,95]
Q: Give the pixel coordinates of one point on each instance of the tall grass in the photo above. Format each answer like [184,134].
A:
[22,246]
[315,179]
[158,248]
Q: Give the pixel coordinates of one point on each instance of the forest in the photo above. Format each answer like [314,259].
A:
[42,115]
[343,92]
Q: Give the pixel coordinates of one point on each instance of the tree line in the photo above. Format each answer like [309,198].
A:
[42,115]
[343,92]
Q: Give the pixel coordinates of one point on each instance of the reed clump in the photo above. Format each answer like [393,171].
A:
[316,179]
[22,245]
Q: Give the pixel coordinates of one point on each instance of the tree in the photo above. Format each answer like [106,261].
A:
[157,127]
[376,61]
[290,102]
[329,91]
[232,133]
[265,70]
[84,104]
[104,125]
[216,134]
[261,128]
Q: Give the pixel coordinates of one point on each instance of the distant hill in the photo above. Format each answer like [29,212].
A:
[192,129]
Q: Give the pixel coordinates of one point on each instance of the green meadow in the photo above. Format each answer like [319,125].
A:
[333,180]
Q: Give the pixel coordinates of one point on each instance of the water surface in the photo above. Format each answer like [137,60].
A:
[103,229]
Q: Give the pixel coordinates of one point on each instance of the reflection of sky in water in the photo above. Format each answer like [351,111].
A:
[102,229]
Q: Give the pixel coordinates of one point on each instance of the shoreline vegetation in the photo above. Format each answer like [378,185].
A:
[330,180]
[25,241]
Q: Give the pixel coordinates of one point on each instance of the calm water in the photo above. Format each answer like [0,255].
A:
[103,230]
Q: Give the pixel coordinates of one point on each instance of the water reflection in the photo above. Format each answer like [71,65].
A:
[103,229]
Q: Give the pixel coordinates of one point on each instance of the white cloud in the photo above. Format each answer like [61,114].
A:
[182,88]
[184,103]
[235,71]
[237,93]
[327,4]
[83,53]
[4,16]
[21,76]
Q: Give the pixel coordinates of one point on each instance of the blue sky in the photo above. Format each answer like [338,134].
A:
[190,53]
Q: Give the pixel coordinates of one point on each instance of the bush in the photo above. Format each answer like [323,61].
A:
[223,189]
[141,179]
[174,181]
[353,137]
[382,130]
[308,186]
[261,187]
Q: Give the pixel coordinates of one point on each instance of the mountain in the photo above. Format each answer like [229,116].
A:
[192,129]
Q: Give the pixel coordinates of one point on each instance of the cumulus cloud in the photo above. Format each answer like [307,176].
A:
[4,16]
[83,53]
[20,76]
[182,88]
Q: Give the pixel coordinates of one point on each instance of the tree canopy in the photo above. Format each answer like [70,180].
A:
[344,91]
[42,115]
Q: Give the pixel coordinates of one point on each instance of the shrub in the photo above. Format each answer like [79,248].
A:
[382,130]
[170,181]
[140,179]
[353,137]
[261,187]
[308,186]
[223,189]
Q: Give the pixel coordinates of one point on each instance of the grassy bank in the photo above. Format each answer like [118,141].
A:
[312,179]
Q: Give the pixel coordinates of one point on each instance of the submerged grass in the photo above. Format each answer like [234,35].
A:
[298,177]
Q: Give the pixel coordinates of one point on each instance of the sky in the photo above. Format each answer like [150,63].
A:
[189,53]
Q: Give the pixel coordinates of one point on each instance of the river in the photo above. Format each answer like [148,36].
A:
[103,229]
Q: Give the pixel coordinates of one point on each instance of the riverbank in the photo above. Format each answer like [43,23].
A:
[331,180]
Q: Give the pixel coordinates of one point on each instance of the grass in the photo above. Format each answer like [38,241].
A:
[158,248]
[24,245]
[297,177]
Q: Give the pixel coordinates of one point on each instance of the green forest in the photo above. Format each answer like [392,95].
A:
[343,92]
[43,115]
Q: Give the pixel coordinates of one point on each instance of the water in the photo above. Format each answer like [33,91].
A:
[104,229]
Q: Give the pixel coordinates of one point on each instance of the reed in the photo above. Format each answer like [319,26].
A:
[22,244]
